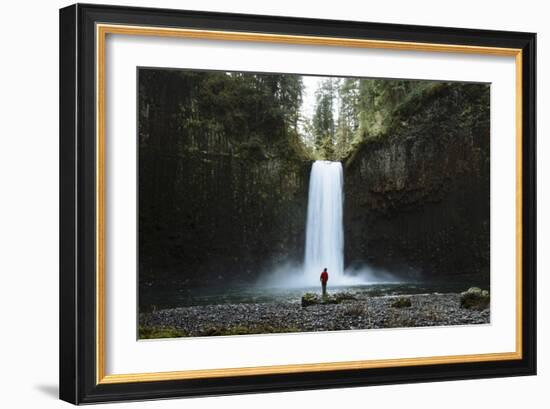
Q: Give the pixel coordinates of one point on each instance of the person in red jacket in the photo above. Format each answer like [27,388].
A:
[324,279]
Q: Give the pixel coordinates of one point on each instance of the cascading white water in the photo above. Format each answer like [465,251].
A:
[324,229]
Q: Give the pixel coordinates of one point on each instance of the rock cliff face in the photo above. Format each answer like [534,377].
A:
[255,215]
[215,205]
[417,198]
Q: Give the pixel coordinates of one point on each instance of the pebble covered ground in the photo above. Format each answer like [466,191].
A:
[363,312]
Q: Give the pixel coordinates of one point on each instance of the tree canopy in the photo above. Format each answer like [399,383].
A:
[265,111]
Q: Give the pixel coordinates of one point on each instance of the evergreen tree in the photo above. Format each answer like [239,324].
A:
[348,115]
[323,120]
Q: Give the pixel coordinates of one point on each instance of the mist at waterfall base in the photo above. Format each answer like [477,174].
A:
[324,247]
[291,275]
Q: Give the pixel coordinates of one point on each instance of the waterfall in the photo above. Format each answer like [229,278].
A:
[324,228]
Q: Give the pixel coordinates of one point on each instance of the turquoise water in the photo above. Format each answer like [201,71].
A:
[174,295]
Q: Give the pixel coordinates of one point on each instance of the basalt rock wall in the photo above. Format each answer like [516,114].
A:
[417,199]
[216,204]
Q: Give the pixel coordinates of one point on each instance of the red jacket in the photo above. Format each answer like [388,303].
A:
[324,276]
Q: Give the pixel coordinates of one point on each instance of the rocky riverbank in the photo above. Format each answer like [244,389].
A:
[351,312]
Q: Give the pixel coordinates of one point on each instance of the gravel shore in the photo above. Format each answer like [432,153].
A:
[363,312]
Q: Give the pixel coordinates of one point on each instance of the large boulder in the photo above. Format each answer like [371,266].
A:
[336,298]
[402,302]
[310,299]
[475,298]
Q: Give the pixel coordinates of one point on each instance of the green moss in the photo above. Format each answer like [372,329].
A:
[402,302]
[329,299]
[391,121]
[253,149]
[475,299]
[160,332]
[310,299]
[337,298]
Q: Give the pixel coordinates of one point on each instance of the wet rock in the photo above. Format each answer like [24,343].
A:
[310,299]
[336,298]
[475,298]
[402,302]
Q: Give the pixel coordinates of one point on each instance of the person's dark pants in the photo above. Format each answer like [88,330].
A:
[324,285]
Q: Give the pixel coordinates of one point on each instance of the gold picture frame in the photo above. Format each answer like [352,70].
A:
[104,22]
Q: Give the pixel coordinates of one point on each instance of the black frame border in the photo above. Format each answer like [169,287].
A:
[77,285]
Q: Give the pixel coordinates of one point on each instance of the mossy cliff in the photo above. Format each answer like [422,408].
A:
[222,181]
[417,195]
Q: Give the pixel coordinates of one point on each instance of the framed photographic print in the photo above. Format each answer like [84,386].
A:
[257,203]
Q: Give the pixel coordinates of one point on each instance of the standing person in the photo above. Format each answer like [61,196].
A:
[324,279]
